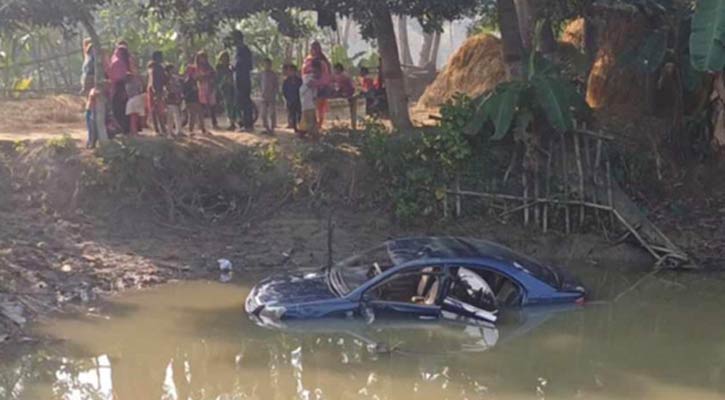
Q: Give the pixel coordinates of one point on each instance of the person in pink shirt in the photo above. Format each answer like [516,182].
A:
[205,76]
[118,69]
[323,84]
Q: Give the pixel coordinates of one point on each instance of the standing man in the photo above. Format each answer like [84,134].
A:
[242,75]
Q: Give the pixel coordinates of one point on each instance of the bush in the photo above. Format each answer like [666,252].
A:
[183,180]
[416,170]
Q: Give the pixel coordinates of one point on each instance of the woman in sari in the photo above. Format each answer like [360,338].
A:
[323,84]
[205,76]
[118,70]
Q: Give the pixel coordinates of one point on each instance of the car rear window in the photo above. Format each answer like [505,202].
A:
[538,271]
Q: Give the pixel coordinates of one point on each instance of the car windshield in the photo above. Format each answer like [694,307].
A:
[351,273]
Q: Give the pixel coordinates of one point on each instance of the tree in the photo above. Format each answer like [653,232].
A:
[65,14]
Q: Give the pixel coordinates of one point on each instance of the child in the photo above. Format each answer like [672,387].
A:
[367,88]
[345,88]
[91,118]
[174,97]
[270,88]
[193,107]
[308,97]
[225,86]
[136,104]
[291,92]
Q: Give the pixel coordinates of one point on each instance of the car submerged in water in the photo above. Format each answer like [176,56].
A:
[427,278]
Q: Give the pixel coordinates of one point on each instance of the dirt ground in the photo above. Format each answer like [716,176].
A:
[55,259]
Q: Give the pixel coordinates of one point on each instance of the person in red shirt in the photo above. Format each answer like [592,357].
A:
[367,84]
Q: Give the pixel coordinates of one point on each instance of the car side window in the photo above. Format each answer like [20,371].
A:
[416,287]
[470,288]
[506,292]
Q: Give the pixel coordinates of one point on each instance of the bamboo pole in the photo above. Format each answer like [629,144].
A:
[654,250]
[458,197]
[525,183]
[580,170]
[511,166]
[610,195]
[547,186]
[565,175]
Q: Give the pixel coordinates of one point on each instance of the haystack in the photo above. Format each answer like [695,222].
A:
[574,34]
[475,68]
[614,85]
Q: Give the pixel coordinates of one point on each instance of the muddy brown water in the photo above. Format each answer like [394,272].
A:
[193,341]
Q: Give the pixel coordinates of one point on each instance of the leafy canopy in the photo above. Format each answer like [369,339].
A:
[206,16]
[21,14]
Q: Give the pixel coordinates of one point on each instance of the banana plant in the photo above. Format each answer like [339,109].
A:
[512,106]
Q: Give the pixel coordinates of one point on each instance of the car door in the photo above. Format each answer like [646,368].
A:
[468,295]
[412,293]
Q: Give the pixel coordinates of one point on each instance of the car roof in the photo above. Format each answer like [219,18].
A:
[417,248]
[410,249]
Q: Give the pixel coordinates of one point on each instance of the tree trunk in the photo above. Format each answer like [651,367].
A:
[392,72]
[346,33]
[100,108]
[424,58]
[435,49]
[510,37]
[403,43]
[526,13]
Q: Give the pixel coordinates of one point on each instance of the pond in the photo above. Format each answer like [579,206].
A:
[193,341]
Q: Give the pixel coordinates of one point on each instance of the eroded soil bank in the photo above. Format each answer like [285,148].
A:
[77,225]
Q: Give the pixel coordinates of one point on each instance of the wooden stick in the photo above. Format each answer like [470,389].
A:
[525,183]
[495,196]
[511,166]
[521,207]
[587,153]
[602,136]
[610,195]
[547,187]
[598,157]
[458,197]
[565,168]
[580,168]
[636,234]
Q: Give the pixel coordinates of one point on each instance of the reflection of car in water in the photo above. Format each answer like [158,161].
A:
[422,278]
[425,337]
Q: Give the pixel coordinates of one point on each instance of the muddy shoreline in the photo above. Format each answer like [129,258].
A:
[71,274]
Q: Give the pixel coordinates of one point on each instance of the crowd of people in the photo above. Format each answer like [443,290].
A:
[174,104]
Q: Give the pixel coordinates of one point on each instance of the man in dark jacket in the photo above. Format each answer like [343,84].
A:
[242,76]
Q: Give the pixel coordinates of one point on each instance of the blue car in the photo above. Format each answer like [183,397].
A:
[425,278]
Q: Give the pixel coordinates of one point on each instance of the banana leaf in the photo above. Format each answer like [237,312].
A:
[707,47]
[498,107]
[553,96]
